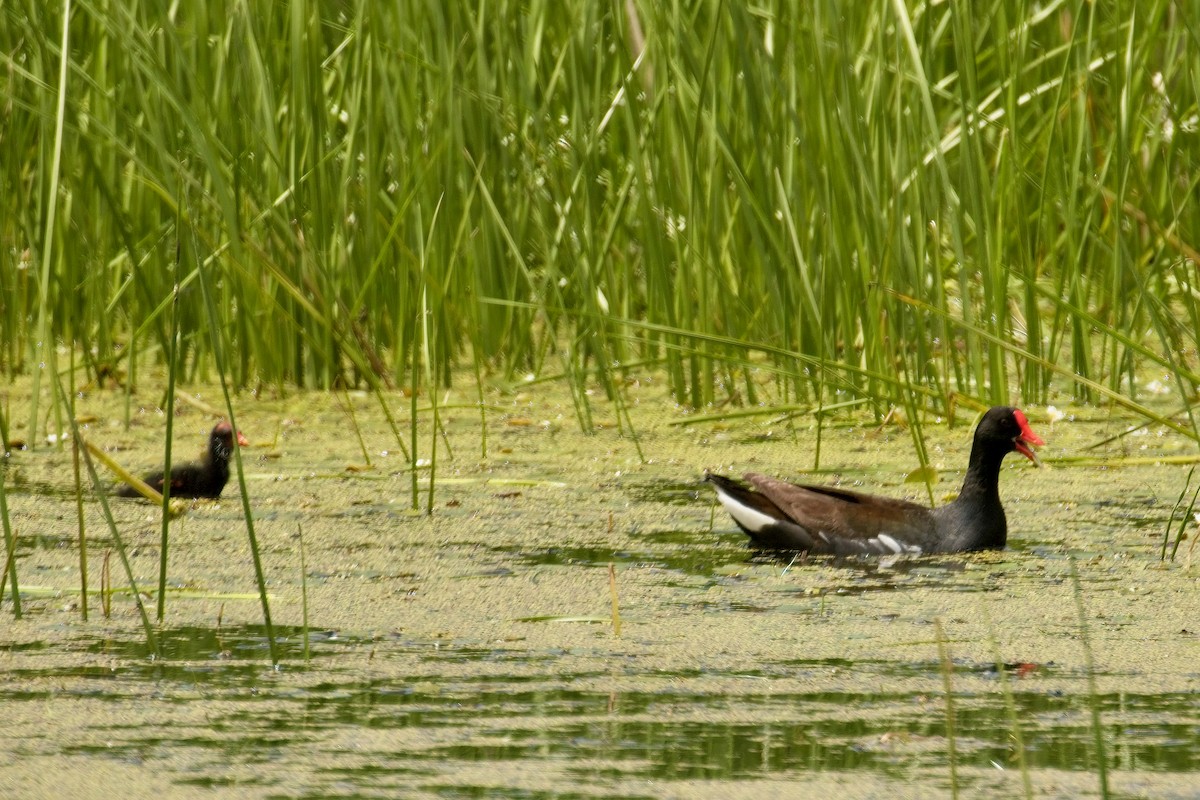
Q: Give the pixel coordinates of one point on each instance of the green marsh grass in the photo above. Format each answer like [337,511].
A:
[80,516]
[383,193]
[8,575]
[347,406]
[101,495]
[81,521]
[219,356]
[1185,519]
[165,507]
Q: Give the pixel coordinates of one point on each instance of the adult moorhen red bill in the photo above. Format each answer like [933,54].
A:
[203,478]
[819,519]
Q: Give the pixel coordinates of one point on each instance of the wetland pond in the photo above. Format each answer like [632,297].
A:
[471,652]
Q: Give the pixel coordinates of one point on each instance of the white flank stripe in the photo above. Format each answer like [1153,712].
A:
[890,543]
[749,518]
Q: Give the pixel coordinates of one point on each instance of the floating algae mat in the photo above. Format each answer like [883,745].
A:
[470,653]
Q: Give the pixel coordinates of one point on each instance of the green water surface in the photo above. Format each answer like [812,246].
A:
[471,652]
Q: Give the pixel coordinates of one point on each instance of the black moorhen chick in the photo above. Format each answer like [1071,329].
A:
[819,519]
[204,478]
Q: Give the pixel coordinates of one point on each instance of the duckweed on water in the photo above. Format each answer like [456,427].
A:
[434,671]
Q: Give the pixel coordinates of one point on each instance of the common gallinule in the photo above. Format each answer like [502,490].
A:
[820,519]
[203,478]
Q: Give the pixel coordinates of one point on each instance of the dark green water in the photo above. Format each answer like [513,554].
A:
[255,714]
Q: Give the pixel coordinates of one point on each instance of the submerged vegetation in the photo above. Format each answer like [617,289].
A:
[907,202]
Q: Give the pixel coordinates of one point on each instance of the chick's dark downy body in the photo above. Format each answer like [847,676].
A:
[204,478]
